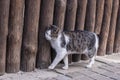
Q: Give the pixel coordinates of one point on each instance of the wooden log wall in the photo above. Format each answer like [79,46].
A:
[117,33]
[105,27]
[4,15]
[46,19]
[112,27]
[22,25]
[30,35]
[99,15]
[14,38]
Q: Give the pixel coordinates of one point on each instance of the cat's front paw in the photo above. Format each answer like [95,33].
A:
[51,67]
[65,67]
[88,66]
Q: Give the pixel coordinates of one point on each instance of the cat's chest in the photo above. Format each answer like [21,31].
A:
[55,44]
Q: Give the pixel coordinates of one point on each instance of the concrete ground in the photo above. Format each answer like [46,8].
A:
[105,68]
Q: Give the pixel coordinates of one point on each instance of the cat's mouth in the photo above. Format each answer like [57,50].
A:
[48,33]
[47,36]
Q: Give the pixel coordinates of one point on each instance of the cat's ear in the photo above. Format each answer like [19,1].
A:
[47,27]
[54,26]
[58,29]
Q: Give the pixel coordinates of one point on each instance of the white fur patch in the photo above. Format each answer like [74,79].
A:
[56,44]
[67,39]
[97,41]
[48,35]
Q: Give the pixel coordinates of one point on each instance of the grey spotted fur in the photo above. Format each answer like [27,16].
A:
[79,41]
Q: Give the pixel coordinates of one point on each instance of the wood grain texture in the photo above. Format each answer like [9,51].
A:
[111,36]
[105,27]
[90,15]
[46,19]
[30,35]
[117,34]
[4,15]
[14,39]
[99,15]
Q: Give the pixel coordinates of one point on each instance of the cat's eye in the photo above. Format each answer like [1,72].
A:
[47,28]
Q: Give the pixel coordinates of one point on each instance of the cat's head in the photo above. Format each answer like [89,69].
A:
[52,32]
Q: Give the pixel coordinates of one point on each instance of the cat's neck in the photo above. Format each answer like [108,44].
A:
[56,43]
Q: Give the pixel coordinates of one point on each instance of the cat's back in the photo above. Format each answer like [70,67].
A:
[78,34]
[80,40]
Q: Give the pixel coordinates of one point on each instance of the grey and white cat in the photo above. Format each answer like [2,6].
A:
[71,42]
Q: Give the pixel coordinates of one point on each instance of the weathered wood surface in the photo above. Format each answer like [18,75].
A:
[99,15]
[59,13]
[90,15]
[4,15]
[30,35]
[117,34]
[80,15]
[105,27]
[14,39]
[46,19]
[111,36]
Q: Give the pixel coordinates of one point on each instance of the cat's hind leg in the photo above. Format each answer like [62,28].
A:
[65,60]
[57,59]
[91,62]
[92,54]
